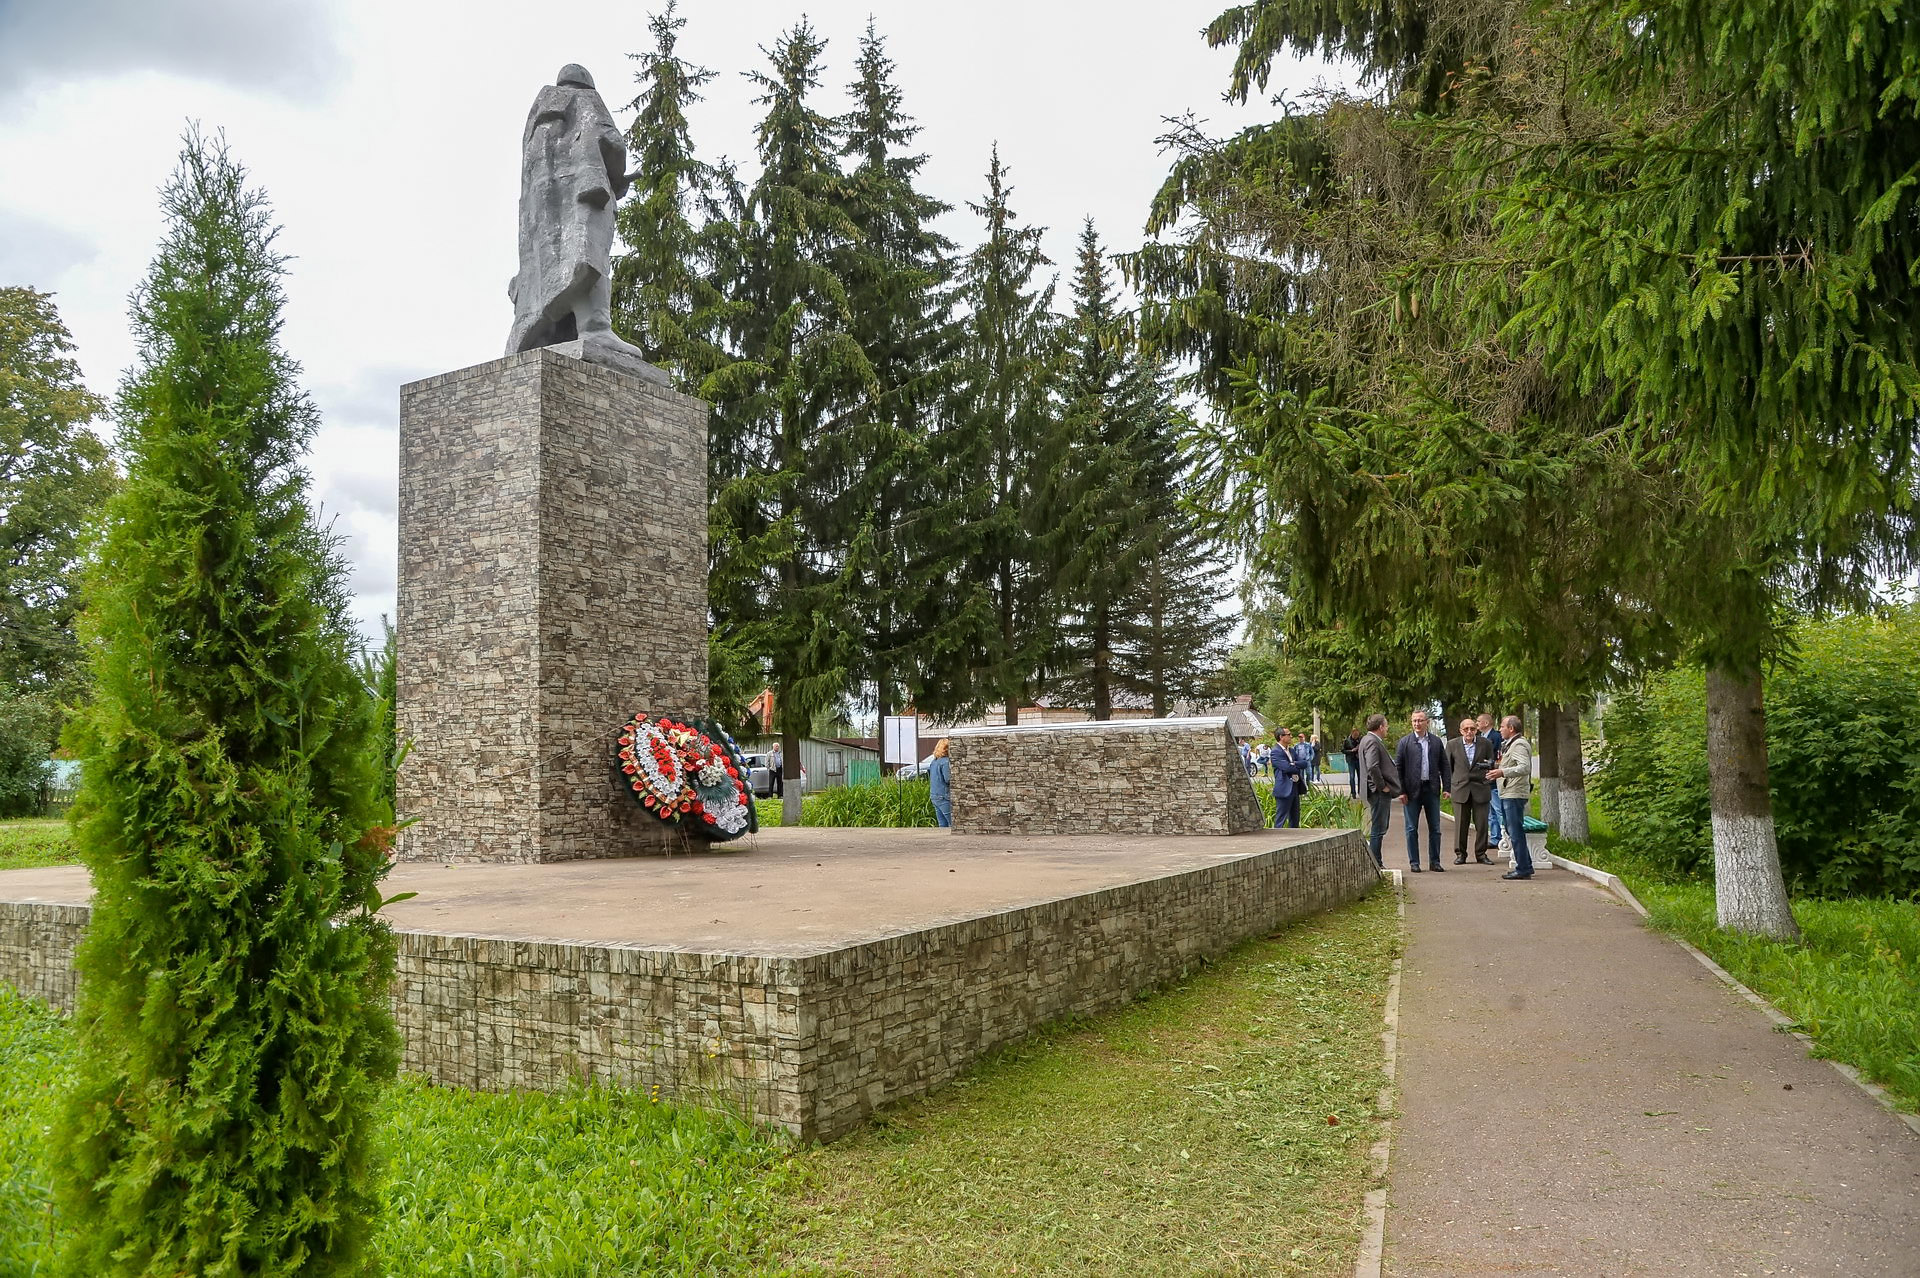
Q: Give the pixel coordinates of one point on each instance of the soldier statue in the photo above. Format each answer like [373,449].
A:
[573,167]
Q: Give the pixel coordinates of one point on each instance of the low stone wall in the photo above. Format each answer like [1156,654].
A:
[1134,776]
[37,941]
[813,1043]
[896,1018]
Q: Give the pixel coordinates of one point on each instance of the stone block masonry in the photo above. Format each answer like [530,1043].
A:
[818,1036]
[1138,776]
[553,566]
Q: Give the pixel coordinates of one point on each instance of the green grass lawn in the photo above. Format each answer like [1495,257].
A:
[1188,1132]
[1222,1127]
[1852,984]
[34,841]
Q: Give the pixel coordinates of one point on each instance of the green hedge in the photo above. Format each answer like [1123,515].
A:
[1843,736]
[885,803]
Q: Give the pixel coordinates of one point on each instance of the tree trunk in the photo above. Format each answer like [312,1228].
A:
[1748,886]
[1102,709]
[790,778]
[1572,804]
[882,707]
[1549,740]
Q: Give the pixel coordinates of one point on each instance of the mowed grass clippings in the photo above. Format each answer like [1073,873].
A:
[35,841]
[1222,1126]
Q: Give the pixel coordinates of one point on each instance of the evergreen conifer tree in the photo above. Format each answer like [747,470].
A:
[1111,496]
[1169,634]
[233,1024]
[779,585]
[667,287]
[989,458]
[897,272]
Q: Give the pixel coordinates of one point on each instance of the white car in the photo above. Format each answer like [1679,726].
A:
[760,775]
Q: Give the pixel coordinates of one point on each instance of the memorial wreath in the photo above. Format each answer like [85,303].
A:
[688,774]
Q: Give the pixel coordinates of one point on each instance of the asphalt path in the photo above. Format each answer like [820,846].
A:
[1578,1095]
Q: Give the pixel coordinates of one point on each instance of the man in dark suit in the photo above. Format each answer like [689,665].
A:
[1469,755]
[1378,778]
[1288,781]
[1421,759]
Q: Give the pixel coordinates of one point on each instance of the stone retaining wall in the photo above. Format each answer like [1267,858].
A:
[813,1043]
[1130,776]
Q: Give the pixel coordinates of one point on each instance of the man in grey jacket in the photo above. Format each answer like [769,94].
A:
[1381,779]
[1515,775]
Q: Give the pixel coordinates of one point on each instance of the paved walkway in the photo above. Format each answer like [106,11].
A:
[1580,1096]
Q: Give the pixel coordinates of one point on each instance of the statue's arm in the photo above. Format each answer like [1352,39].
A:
[613,150]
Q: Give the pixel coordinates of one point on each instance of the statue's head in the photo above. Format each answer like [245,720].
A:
[575,74]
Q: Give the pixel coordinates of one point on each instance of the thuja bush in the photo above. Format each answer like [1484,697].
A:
[1842,737]
[233,1027]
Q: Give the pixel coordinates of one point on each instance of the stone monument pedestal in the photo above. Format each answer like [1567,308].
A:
[1123,777]
[553,570]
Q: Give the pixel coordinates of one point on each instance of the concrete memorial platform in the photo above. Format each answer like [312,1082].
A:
[805,976]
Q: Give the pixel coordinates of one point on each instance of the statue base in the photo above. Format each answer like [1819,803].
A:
[607,350]
[553,541]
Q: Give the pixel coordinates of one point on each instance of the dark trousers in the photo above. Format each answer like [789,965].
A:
[1469,812]
[1424,798]
[1514,813]
[1380,809]
[1286,810]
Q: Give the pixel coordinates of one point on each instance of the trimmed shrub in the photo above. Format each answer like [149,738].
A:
[233,1023]
[1843,743]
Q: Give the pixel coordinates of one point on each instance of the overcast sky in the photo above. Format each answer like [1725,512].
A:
[386,133]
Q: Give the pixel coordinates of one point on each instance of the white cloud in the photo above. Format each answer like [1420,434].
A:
[286,47]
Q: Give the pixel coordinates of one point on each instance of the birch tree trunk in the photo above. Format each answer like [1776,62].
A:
[1750,892]
[789,778]
[1572,803]
[1550,766]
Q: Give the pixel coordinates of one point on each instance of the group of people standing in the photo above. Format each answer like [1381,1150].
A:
[1487,772]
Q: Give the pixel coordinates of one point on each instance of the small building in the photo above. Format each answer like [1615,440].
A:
[830,761]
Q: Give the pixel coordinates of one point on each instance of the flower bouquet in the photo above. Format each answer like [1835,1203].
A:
[687,774]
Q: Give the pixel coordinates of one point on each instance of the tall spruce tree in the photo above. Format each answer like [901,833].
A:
[989,455]
[780,589]
[233,1023]
[668,296]
[1170,634]
[898,274]
[1127,565]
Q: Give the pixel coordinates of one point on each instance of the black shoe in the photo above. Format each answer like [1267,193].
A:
[1515,874]
[1460,858]
[1483,860]
[1415,867]
[1437,868]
